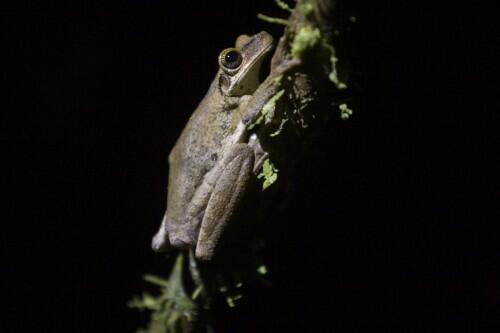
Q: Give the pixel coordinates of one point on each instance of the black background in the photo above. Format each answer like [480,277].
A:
[393,228]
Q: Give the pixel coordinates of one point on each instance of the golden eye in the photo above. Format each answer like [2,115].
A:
[230,59]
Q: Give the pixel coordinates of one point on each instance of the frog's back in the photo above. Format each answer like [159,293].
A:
[197,150]
[202,139]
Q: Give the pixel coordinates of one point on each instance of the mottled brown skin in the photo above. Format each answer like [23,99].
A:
[212,162]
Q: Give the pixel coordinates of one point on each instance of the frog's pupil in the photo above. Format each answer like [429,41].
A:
[231,56]
[232,59]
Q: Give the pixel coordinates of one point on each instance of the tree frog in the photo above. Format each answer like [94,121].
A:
[215,156]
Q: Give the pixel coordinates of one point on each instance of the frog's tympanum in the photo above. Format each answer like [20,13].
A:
[215,156]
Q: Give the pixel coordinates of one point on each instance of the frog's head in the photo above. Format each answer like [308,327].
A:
[240,65]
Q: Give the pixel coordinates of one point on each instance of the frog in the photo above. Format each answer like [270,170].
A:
[216,155]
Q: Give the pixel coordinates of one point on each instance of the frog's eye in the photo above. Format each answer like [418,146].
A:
[230,59]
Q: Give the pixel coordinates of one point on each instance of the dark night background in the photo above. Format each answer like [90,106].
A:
[393,228]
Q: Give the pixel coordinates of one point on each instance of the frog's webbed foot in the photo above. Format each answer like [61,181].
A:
[160,241]
[225,197]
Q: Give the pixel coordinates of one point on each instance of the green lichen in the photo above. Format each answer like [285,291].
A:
[173,310]
[267,112]
[304,40]
[333,76]
[283,5]
[269,173]
[308,38]
[305,8]
[280,128]
[231,288]
[277,79]
[345,112]
[277,20]
[270,19]
[262,270]
[231,300]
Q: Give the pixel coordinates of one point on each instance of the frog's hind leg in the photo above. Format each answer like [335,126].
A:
[226,195]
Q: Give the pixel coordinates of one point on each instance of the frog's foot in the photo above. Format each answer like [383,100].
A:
[160,241]
[175,237]
[286,66]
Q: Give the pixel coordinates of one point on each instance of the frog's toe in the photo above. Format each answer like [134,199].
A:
[160,241]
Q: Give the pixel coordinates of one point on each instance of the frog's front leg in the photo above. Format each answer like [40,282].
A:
[227,192]
[267,89]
